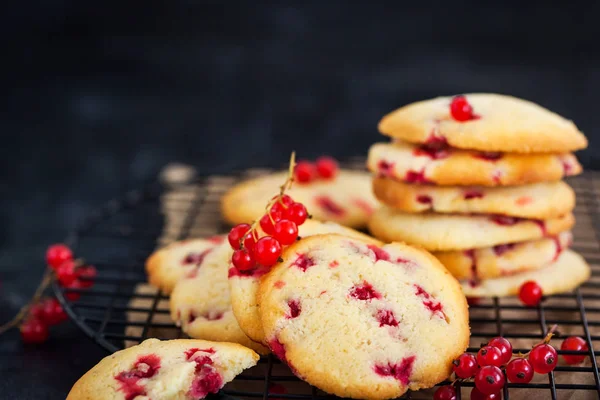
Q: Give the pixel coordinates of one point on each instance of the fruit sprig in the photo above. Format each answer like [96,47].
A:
[35,317]
[325,168]
[280,224]
[486,367]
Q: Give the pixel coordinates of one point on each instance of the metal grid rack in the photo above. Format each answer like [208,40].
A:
[120,310]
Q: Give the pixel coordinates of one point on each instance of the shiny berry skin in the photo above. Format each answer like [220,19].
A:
[465,366]
[286,232]
[504,346]
[243,260]
[530,293]
[58,254]
[236,234]
[34,331]
[267,251]
[519,371]
[268,221]
[445,393]
[489,355]
[327,167]
[65,273]
[296,213]
[460,109]
[52,312]
[305,172]
[574,343]
[282,203]
[88,273]
[477,395]
[250,241]
[543,358]
[489,379]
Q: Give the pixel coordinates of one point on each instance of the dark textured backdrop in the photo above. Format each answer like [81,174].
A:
[98,96]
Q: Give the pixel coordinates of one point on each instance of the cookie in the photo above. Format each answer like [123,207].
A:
[180,259]
[568,272]
[347,200]
[244,286]
[413,163]
[537,200]
[442,232]
[500,123]
[172,369]
[361,321]
[201,305]
[504,259]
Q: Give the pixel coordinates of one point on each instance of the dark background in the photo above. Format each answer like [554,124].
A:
[98,96]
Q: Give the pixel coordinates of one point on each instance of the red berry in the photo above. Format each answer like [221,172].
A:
[249,241]
[530,293]
[445,393]
[504,346]
[489,355]
[88,273]
[489,379]
[267,223]
[305,172]
[74,296]
[574,343]
[543,358]
[519,371]
[286,232]
[34,331]
[53,312]
[327,167]
[460,109]
[58,254]
[296,213]
[236,234]
[477,395]
[37,310]
[242,260]
[267,251]
[465,366]
[65,273]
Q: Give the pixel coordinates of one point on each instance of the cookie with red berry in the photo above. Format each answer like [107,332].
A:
[172,369]
[504,259]
[486,122]
[443,232]
[361,320]
[565,274]
[537,200]
[424,164]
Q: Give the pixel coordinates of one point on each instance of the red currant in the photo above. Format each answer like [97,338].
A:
[236,234]
[37,310]
[574,343]
[445,393]
[74,296]
[58,254]
[460,109]
[489,379]
[282,203]
[304,172]
[530,293]
[34,331]
[267,222]
[65,273]
[477,395]
[504,346]
[53,312]
[489,355]
[543,358]
[242,260]
[250,240]
[519,371]
[296,213]
[286,232]
[465,366]
[267,251]
[88,273]
[327,167]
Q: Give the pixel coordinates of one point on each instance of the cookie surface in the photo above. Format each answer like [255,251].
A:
[244,287]
[347,199]
[413,163]
[180,259]
[181,369]
[537,200]
[362,321]
[504,259]
[568,272]
[503,123]
[442,232]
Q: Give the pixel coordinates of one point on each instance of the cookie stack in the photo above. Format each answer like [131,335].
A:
[476,179]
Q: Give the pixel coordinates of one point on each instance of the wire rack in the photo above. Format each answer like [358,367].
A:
[121,310]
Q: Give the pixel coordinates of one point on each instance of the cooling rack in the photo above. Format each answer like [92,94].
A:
[120,310]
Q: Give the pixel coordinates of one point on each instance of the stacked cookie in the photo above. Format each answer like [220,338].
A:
[476,179]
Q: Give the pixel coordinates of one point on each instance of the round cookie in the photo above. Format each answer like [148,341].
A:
[201,305]
[504,259]
[183,369]
[244,287]
[537,200]
[502,123]
[180,259]
[414,163]
[347,199]
[568,272]
[362,321]
[443,232]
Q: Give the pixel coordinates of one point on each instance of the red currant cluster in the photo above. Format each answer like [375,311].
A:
[69,273]
[324,168]
[461,110]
